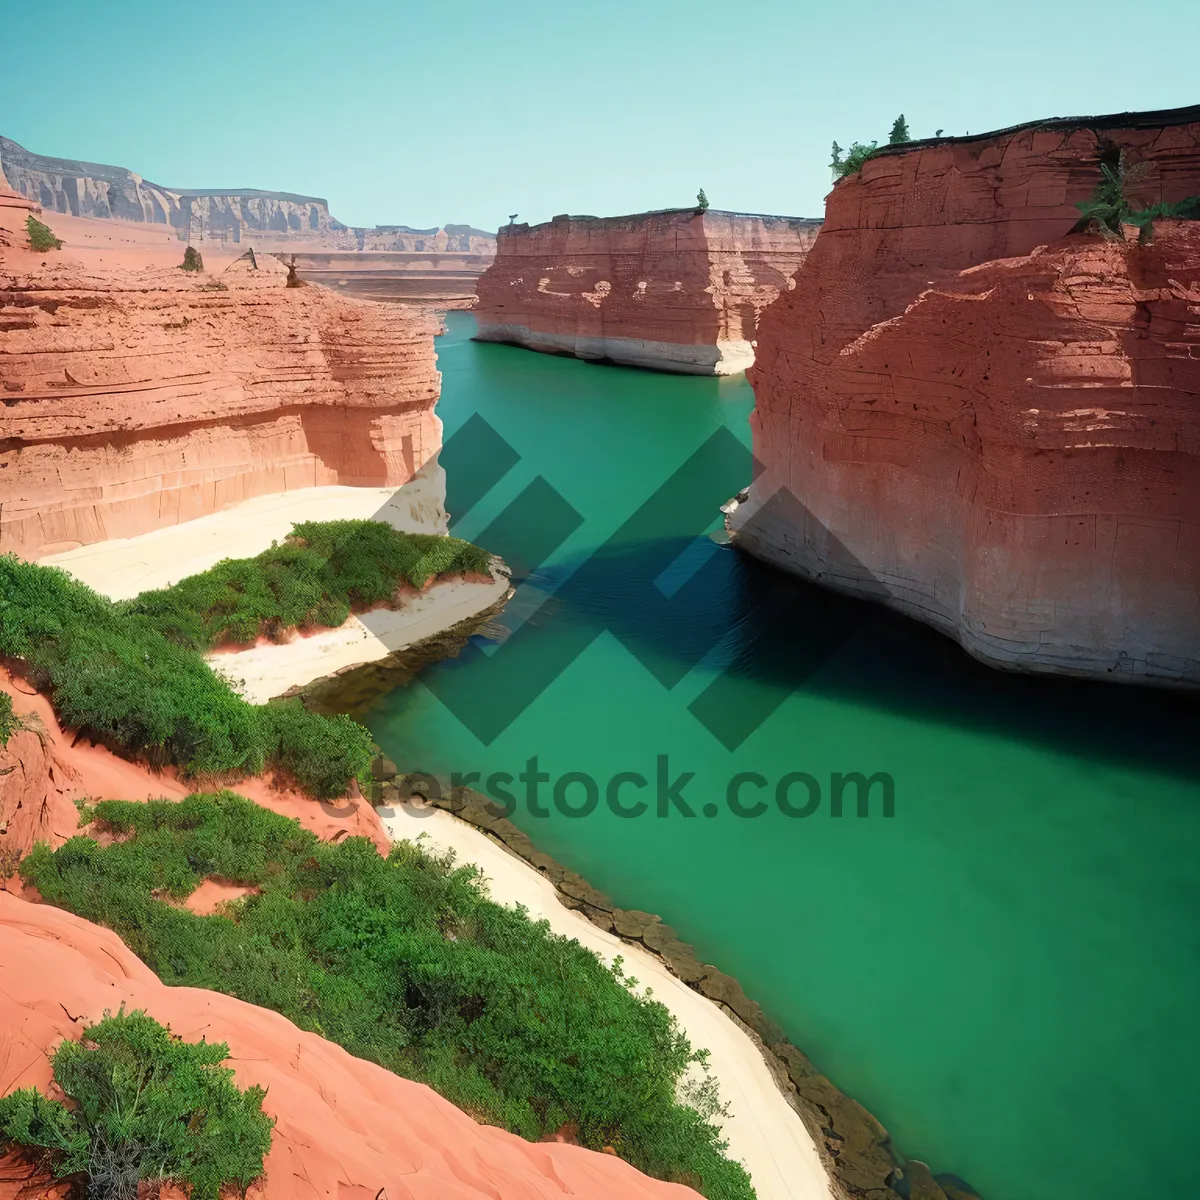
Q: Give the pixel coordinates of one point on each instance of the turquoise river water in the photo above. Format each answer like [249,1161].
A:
[1007,970]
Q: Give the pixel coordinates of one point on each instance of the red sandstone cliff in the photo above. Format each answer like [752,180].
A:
[677,291]
[139,399]
[987,422]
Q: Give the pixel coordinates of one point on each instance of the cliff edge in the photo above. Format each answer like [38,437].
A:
[976,411]
[679,290]
[138,399]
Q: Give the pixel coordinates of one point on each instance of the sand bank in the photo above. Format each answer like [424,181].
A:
[122,567]
[262,672]
[764,1132]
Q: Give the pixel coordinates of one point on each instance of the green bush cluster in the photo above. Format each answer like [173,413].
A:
[146,1108]
[319,574]
[405,962]
[859,152]
[1109,206]
[192,260]
[113,675]
[41,237]
[10,723]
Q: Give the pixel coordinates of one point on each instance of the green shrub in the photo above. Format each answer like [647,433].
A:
[701,201]
[316,577]
[405,962]
[10,723]
[858,154]
[321,751]
[113,675]
[147,1107]
[192,260]
[132,675]
[1109,206]
[41,237]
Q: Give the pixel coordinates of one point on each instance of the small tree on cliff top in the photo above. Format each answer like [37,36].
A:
[41,237]
[701,201]
[899,133]
[192,260]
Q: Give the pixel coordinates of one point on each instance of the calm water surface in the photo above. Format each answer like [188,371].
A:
[1007,972]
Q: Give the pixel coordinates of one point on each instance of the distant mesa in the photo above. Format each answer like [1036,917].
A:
[438,265]
[677,290]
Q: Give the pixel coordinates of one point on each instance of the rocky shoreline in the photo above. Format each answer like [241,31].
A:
[354,689]
[860,1157]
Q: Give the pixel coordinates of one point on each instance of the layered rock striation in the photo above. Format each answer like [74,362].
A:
[979,413]
[138,399]
[678,290]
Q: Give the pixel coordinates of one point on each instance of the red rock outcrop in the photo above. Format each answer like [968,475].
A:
[16,210]
[987,421]
[134,400]
[676,291]
[345,1129]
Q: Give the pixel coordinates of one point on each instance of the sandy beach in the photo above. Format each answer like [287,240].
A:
[121,568]
[764,1132]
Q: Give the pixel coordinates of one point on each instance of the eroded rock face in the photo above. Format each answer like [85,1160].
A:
[987,422]
[138,399]
[346,1129]
[676,291]
[37,790]
[17,209]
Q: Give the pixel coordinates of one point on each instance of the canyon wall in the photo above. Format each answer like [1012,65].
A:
[978,414]
[138,399]
[676,291]
[397,262]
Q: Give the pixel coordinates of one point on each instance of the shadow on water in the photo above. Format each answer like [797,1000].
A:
[778,634]
[771,631]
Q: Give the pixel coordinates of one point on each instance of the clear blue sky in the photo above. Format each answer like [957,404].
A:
[417,112]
